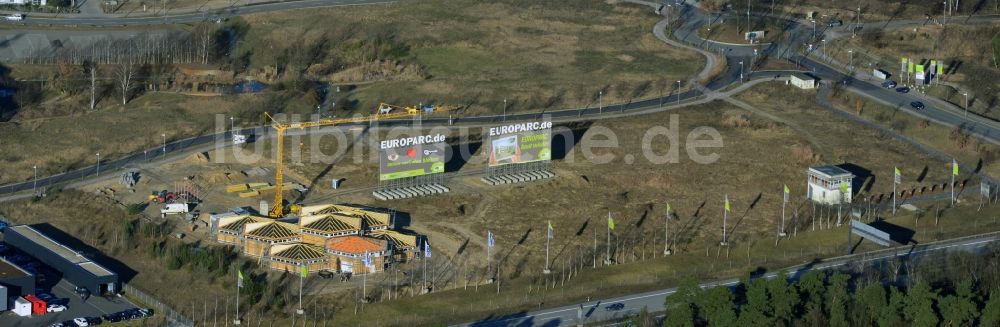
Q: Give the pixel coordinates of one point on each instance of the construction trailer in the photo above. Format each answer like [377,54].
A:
[74,266]
[802,81]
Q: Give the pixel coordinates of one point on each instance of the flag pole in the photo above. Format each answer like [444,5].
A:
[725,216]
[666,232]
[954,172]
[239,284]
[607,259]
[548,237]
[300,310]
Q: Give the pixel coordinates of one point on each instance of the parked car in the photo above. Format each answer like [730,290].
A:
[93,321]
[917,105]
[835,23]
[56,308]
[325,274]
[63,324]
[81,322]
[903,89]
[615,306]
[890,84]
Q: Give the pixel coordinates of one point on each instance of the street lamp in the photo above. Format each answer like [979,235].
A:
[600,101]
[232,126]
[741,71]
[98,164]
[678,92]
[505,109]
[35,183]
[966,104]
[852,61]
[164,144]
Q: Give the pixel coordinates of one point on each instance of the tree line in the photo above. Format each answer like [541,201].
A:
[958,290]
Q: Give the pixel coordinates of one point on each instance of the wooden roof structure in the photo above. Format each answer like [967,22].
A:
[330,223]
[372,218]
[297,252]
[271,230]
[398,240]
[235,224]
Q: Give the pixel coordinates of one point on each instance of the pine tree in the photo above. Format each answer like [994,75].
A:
[784,298]
[811,287]
[758,310]
[873,299]
[920,305]
[836,299]
[889,316]
[680,305]
[960,309]
[715,307]
[991,313]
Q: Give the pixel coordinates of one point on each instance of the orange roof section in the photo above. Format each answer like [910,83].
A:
[356,244]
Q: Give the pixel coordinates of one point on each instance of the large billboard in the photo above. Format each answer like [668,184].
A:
[520,143]
[411,156]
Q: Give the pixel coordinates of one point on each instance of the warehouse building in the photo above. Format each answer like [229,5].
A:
[802,81]
[75,268]
[15,280]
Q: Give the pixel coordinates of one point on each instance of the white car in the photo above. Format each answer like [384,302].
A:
[81,322]
[56,308]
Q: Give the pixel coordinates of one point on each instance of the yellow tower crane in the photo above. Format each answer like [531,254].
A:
[277,209]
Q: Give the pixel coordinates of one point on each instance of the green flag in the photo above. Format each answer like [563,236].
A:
[611,223]
[909,68]
[787,192]
[899,176]
[954,167]
[843,188]
[239,278]
[668,208]
[940,68]
[728,209]
[920,68]
[304,271]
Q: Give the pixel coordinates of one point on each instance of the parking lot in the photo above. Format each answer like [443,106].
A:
[49,282]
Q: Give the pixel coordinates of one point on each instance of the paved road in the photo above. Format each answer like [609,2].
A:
[191,17]
[595,311]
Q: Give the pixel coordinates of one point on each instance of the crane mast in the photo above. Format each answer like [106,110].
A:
[278,209]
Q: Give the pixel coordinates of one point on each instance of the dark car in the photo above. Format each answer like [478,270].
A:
[903,90]
[889,84]
[615,306]
[325,274]
[917,105]
[93,321]
[835,23]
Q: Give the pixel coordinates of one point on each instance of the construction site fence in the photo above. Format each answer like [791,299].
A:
[173,318]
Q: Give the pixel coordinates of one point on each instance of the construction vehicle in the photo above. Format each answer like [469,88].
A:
[278,207]
[162,196]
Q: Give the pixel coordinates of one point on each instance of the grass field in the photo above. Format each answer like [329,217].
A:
[577,203]
[536,54]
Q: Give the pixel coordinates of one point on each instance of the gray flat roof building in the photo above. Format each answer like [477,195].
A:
[17,281]
[76,268]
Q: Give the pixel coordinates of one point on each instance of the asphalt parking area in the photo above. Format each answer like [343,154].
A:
[94,306]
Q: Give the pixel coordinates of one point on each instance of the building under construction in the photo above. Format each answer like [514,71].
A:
[324,237]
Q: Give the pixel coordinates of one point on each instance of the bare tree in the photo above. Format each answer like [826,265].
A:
[204,35]
[125,72]
[92,67]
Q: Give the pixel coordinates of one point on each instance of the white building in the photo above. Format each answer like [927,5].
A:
[802,81]
[23,2]
[824,185]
